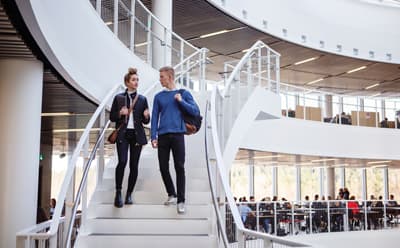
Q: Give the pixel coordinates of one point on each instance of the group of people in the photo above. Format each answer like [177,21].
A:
[274,211]
[130,111]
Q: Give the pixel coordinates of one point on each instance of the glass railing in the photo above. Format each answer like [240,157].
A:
[283,218]
[142,32]
[309,104]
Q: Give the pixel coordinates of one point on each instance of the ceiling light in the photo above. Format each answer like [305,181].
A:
[57,114]
[371,86]
[315,81]
[323,160]
[379,162]
[305,61]
[108,23]
[214,33]
[219,32]
[245,50]
[271,156]
[377,94]
[357,69]
[141,44]
[380,166]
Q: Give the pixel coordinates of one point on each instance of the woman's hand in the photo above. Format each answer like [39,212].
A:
[146,114]
[124,111]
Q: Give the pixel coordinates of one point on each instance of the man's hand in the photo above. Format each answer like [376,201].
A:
[154,143]
[178,97]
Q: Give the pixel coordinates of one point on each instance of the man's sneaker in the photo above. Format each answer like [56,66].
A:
[170,201]
[181,208]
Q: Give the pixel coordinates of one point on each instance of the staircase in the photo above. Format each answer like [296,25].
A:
[148,222]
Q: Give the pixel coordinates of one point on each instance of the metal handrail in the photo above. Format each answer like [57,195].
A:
[224,182]
[168,29]
[83,182]
[258,44]
[212,186]
[75,155]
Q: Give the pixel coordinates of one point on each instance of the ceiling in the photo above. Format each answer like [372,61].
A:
[262,158]
[58,96]
[193,18]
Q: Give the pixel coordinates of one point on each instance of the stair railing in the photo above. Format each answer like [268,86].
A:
[221,113]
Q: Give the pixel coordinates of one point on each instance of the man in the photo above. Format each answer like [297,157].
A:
[167,133]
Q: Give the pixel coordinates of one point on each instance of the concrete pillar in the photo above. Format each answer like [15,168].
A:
[364,184]
[162,9]
[275,181]
[385,183]
[251,173]
[328,106]
[298,183]
[46,150]
[21,85]
[322,191]
[330,182]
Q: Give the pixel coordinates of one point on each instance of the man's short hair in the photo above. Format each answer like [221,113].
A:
[169,70]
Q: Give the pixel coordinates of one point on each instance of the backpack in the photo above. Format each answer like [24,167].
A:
[192,122]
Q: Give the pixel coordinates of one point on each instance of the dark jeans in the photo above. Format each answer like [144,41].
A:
[128,142]
[176,143]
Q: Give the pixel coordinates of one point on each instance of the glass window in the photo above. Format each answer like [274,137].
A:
[394,183]
[338,181]
[309,182]
[374,182]
[353,182]
[287,182]
[390,110]
[262,181]
[349,104]
[240,180]
[312,100]
[335,105]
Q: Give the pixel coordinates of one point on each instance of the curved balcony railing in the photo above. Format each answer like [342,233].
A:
[323,106]
[142,32]
[307,217]
[222,111]
[242,77]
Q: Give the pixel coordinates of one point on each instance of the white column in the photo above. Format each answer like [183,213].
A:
[330,182]
[385,183]
[364,184]
[298,183]
[342,177]
[251,173]
[21,84]
[328,106]
[322,191]
[162,9]
[274,181]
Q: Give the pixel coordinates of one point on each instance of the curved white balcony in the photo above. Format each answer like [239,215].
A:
[357,28]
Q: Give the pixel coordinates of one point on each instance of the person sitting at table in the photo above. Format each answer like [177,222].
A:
[392,202]
[354,213]
[267,215]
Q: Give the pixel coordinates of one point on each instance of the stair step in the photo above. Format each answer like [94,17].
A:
[156,184]
[148,226]
[146,172]
[147,241]
[149,212]
[145,197]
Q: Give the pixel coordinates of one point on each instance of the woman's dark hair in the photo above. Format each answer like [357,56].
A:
[131,72]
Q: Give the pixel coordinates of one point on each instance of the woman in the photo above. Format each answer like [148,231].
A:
[129,111]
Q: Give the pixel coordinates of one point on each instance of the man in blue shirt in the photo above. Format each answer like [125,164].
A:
[167,133]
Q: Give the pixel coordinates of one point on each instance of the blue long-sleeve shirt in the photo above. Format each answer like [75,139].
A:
[167,116]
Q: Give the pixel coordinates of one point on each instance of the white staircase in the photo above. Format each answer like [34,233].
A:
[148,223]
